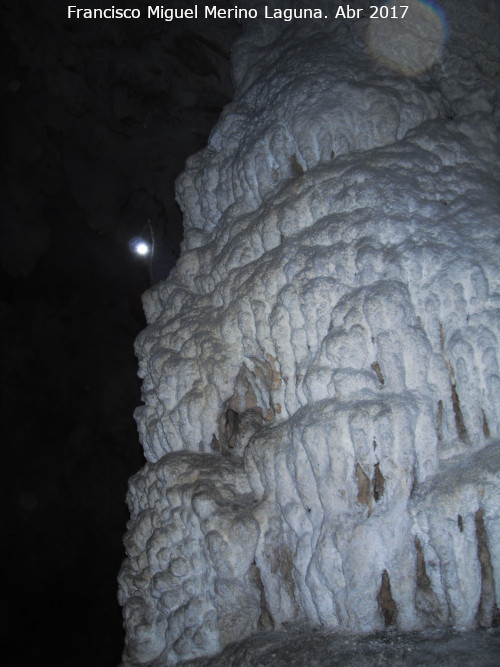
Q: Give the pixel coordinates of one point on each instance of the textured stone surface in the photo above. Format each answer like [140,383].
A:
[320,372]
[314,648]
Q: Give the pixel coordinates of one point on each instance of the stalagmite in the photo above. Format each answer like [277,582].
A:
[320,371]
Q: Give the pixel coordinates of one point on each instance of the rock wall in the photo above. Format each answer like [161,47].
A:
[320,372]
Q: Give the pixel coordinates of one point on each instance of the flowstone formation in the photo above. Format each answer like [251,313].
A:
[320,371]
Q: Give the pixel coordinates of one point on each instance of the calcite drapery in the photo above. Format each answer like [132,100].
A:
[320,371]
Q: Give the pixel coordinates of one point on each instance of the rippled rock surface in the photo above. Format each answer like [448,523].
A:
[320,371]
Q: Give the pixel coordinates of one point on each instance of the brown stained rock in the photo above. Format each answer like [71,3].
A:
[486,428]
[364,486]
[423,581]
[378,483]
[440,421]
[296,166]
[386,604]
[459,419]
[488,613]
[376,367]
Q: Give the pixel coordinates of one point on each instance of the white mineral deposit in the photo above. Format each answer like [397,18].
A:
[321,388]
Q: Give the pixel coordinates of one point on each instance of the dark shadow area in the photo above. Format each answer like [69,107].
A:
[99,118]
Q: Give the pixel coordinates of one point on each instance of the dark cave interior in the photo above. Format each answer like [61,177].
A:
[99,118]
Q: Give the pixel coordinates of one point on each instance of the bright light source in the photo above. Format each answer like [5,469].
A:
[140,247]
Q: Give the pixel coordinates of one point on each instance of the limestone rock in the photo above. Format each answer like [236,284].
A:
[320,371]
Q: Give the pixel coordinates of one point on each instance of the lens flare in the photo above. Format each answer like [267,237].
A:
[408,44]
[140,247]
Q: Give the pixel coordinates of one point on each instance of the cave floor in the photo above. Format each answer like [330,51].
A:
[317,649]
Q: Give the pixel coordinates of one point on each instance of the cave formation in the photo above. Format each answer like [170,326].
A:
[317,475]
[320,390]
